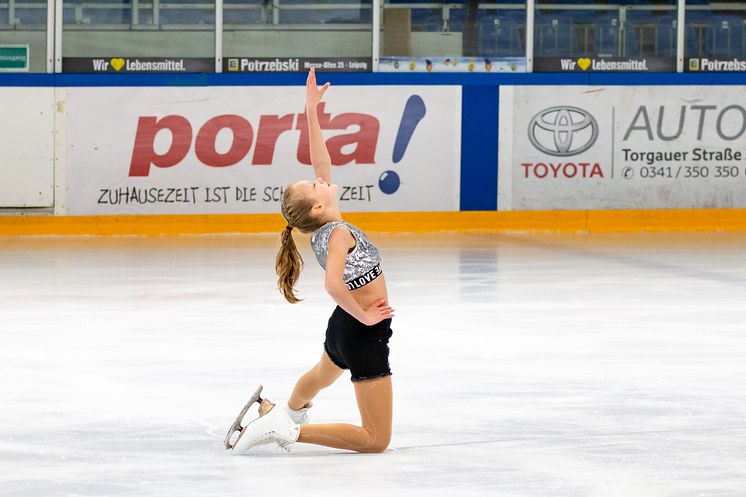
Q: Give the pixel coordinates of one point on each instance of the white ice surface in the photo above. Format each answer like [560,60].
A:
[523,366]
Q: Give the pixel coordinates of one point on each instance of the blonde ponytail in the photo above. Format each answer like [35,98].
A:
[296,209]
[288,265]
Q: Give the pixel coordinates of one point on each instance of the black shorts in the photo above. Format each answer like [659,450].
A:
[364,350]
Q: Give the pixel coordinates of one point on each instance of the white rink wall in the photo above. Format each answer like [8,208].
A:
[27,144]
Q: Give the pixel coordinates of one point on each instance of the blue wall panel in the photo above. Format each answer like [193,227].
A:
[479,148]
[463,79]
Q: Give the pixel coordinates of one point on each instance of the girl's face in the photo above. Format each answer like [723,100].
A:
[322,193]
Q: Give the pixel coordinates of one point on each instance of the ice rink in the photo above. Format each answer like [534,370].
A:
[524,365]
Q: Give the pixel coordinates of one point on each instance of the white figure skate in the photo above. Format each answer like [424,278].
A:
[281,426]
[264,407]
[275,426]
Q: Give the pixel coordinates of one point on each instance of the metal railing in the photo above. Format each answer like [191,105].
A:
[269,12]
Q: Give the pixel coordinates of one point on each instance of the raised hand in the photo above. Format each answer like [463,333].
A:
[314,94]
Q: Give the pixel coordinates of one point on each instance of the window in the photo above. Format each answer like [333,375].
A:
[715,38]
[467,35]
[137,36]
[179,36]
[605,35]
[293,35]
[23,36]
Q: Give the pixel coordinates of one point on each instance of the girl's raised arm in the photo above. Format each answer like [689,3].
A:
[319,154]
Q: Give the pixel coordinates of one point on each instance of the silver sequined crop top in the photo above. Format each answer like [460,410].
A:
[363,263]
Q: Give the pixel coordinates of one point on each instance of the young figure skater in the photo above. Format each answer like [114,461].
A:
[359,328]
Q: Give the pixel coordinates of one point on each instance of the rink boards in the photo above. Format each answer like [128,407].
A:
[409,154]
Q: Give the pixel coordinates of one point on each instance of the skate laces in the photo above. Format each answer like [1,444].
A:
[283,445]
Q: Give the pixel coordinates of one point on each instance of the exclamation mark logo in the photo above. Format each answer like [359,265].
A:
[414,111]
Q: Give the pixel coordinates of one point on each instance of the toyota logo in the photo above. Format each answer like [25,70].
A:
[563,130]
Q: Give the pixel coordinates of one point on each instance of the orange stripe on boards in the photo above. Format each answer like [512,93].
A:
[408,222]
[667,220]
[154,225]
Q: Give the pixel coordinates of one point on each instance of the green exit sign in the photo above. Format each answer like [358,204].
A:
[13,58]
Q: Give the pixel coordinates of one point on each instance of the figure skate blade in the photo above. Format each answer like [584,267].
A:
[236,426]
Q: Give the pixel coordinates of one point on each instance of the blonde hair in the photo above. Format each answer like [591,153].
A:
[296,209]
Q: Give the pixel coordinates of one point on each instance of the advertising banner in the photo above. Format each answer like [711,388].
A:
[297,64]
[233,150]
[605,64]
[696,64]
[452,64]
[622,147]
[137,64]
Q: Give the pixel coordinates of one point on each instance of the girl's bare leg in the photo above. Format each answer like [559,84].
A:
[375,401]
[314,380]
